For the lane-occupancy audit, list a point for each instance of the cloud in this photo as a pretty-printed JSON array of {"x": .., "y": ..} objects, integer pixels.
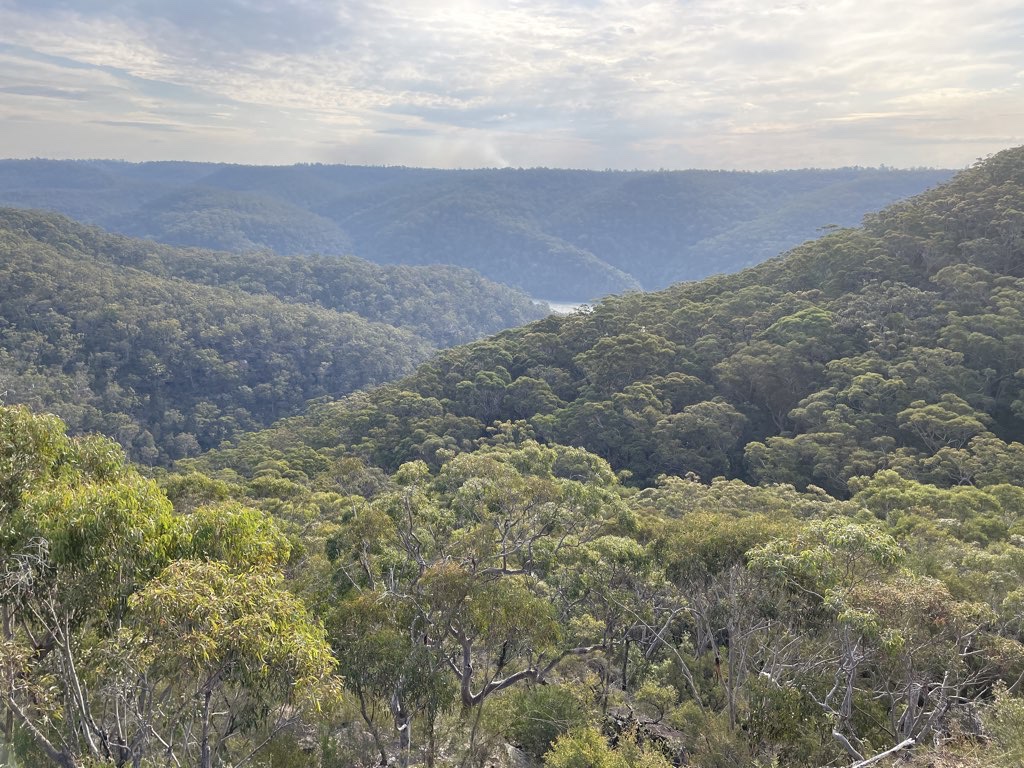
[
  {"x": 139, "y": 124},
  {"x": 44, "y": 92},
  {"x": 599, "y": 83}
]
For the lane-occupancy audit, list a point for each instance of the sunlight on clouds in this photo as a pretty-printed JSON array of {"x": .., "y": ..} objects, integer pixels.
[{"x": 723, "y": 83}]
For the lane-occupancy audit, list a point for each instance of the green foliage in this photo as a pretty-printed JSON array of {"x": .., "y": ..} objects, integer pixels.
[
  {"x": 171, "y": 352},
  {"x": 110, "y": 634},
  {"x": 477, "y": 577},
  {"x": 215, "y": 626},
  {"x": 848, "y": 356},
  {"x": 582, "y": 748},
  {"x": 238, "y": 536},
  {"x": 790, "y": 720},
  {"x": 533, "y": 718},
  {"x": 865, "y": 592},
  {"x": 1004, "y": 720},
  {"x": 587, "y": 748}
]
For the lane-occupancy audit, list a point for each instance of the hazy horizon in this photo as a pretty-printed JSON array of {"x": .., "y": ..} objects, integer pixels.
[{"x": 468, "y": 169}]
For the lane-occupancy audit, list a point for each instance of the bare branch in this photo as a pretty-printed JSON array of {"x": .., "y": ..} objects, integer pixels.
[{"x": 902, "y": 745}]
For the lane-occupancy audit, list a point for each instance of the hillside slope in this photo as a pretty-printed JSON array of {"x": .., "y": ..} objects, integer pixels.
[
  {"x": 172, "y": 351},
  {"x": 556, "y": 234},
  {"x": 896, "y": 345},
  {"x": 848, "y": 592}
]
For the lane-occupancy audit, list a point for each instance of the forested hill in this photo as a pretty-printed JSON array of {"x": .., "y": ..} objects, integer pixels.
[
  {"x": 171, "y": 350},
  {"x": 800, "y": 543},
  {"x": 896, "y": 345},
  {"x": 445, "y": 305},
  {"x": 557, "y": 234}
]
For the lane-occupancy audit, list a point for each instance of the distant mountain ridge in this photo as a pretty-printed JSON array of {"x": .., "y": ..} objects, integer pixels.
[{"x": 556, "y": 234}]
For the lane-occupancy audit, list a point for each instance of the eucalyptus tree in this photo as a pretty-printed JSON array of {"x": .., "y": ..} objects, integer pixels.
[
  {"x": 489, "y": 575},
  {"x": 131, "y": 634}
]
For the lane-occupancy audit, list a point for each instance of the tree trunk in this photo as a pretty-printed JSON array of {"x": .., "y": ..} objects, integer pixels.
[
  {"x": 730, "y": 683},
  {"x": 6, "y": 748},
  {"x": 625, "y": 665},
  {"x": 404, "y": 740},
  {"x": 374, "y": 732},
  {"x": 205, "y": 758},
  {"x": 431, "y": 738},
  {"x": 7, "y": 740},
  {"x": 403, "y": 724}
]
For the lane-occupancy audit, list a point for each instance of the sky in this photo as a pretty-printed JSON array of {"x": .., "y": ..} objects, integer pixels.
[{"x": 732, "y": 84}]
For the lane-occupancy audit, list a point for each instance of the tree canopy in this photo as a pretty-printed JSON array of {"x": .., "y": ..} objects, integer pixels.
[
  {"x": 171, "y": 352},
  {"x": 767, "y": 519}
]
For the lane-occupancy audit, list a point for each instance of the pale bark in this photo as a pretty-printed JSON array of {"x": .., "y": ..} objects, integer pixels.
[
  {"x": 60, "y": 756},
  {"x": 902, "y": 745},
  {"x": 205, "y": 756}
]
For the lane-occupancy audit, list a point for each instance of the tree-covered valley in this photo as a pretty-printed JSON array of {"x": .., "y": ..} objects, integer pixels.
[
  {"x": 556, "y": 234},
  {"x": 170, "y": 350},
  {"x": 774, "y": 518}
]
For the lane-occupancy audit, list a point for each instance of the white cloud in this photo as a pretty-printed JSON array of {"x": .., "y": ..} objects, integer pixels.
[{"x": 716, "y": 83}]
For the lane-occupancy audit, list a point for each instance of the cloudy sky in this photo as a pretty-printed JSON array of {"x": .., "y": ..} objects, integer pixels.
[{"x": 467, "y": 83}]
